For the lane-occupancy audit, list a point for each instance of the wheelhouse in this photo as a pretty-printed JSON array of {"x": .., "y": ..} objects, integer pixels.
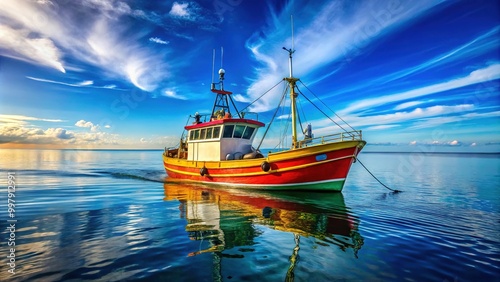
[{"x": 218, "y": 140}]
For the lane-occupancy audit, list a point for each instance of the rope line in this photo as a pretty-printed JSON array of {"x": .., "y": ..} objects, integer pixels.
[
  {"x": 326, "y": 105},
  {"x": 271, "y": 122},
  {"x": 261, "y": 96},
  {"x": 324, "y": 112},
  {"x": 393, "y": 190}
]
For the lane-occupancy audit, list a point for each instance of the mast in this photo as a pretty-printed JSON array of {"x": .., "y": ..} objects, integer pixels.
[
  {"x": 221, "y": 104},
  {"x": 293, "y": 95}
]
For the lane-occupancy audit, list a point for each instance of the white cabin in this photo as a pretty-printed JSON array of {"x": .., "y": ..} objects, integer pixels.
[{"x": 218, "y": 140}]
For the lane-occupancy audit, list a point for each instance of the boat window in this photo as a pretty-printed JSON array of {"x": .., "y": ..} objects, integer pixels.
[
  {"x": 209, "y": 133},
  {"x": 228, "y": 131},
  {"x": 238, "y": 131},
  {"x": 216, "y": 132},
  {"x": 203, "y": 133},
  {"x": 196, "y": 134},
  {"x": 191, "y": 135},
  {"x": 248, "y": 133}
]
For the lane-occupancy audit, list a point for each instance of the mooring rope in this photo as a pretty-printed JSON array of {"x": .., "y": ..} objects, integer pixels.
[{"x": 393, "y": 190}]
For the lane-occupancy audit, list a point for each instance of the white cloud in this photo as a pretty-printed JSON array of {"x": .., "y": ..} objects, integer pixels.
[
  {"x": 488, "y": 73},
  {"x": 179, "y": 10},
  {"x": 85, "y": 83},
  {"x": 59, "y": 133},
  {"x": 382, "y": 127},
  {"x": 172, "y": 94},
  {"x": 141, "y": 66},
  {"x": 46, "y": 34},
  {"x": 87, "y": 124},
  {"x": 17, "y": 120},
  {"x": 241, "y": 98},
  {"x": 77, "y": 84},
  {"x": 158, "y": 40},
  {"x": 417, "y": 114},
  {"x": 83, "y": 123},
  {"x": 347, "y": 29},
  {"x": 45, "y": 2},
  {"x": 418, "y": 118},
  {"x": 55, "y": 136},
  {"x": 15, "y": 130},
  {"x": 408, "y": 105},
  {"x": 23, "y": 135},
  {"x": 478, "y": 46},
  {"x": 454, "y": 143},
  {"x": 18, "y": 44}
]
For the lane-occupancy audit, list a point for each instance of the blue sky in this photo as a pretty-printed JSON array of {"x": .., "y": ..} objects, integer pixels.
[{"x": 413, "y": 75}]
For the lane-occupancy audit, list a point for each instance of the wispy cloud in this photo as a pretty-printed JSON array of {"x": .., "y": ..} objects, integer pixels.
[
  {"x": 173, "y": 94},
  {"x": 441, "y": 114},
  {"x": 46, "y": 34},
  {"x": 383, "y": 127},
  {"x": 488, "y": 73},
  {"x": 17, "y": 44},
  {"x": 77, "y": 84},
  {"x": 476, "y": 47},
  {"x": 408, "y": 105},
  {"x": 85, "y": 83},
  {"x": 347, "y": 28},
  {"x": 21, "y": 119},
  {"x": 140, "y": 65},
  {"x": 158, "y": 40}
]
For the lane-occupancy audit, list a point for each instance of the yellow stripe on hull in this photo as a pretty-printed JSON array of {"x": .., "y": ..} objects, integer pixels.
[
  {"x": 262, "y": 172},
  {"x": 272, "y": 157}
]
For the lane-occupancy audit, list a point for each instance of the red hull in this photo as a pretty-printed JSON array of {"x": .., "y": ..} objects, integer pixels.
[{"x": 316, "y": 168}]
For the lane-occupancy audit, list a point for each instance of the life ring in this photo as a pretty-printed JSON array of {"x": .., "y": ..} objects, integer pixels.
[
  {"x": 203, "y": 171},
  {"x": 265, "y": 166}
]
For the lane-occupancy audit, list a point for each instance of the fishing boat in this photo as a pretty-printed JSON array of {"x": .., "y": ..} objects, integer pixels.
[{"x": 217, "y": 149}]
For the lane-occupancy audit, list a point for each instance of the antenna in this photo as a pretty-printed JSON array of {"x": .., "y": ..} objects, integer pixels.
[
  {"x": 290, "y": 51},
  {"x": 291, "y": 19},
  {"x": 213, "y": 66},
  {"x": 221, "y": 55}
]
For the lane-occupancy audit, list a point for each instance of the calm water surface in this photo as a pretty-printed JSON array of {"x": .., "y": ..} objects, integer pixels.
[{"x": 113, "y": 216}]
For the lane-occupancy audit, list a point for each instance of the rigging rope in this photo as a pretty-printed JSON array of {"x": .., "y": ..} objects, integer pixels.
[
  {"x": 298, "y": 115},
  {"x": 324, "y": 113},
  {"x": 282, "y": 142},
  {"x": 393, "y": 190},
  {"x": 327, "y": 106},
  {"x": 261, "y": 96},
  {"x": 271, "y": 122}
]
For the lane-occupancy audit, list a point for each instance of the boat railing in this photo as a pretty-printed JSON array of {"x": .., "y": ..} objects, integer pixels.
[
  {"x": 332, "y": 138},
  {"x": 193, "y": 119}
]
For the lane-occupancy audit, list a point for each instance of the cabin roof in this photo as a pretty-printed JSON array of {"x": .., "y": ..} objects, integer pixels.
[{"x": 222, "y": 121}]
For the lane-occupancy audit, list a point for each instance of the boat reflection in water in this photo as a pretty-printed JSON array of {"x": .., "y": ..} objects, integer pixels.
[{"x": 229, "y": 218}]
